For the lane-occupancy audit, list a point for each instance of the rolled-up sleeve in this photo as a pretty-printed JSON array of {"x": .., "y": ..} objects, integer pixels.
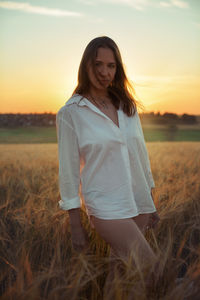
[{"x": 69, "y": 161}]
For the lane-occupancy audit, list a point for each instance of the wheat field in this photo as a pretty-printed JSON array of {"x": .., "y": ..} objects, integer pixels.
[{"x": 36, "y": 258}]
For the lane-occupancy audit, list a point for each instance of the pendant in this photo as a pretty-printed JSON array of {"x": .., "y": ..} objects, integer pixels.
[
  {"x": 101, "y": 104},
  {"x": 104, "y": 104}
]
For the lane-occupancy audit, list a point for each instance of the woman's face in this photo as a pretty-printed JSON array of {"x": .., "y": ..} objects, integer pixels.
[{"x": 105, "y": 66}]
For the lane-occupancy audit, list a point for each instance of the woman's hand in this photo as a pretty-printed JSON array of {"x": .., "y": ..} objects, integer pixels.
[
  {"x": 154, "y": 217},
  {"x": 78, "y": 235},
  {"x": 153, "y": 220},
  {"x": 79, "y": 238}
]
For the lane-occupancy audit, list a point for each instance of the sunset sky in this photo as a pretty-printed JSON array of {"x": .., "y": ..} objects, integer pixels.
[{"x": 42, "y": 42}]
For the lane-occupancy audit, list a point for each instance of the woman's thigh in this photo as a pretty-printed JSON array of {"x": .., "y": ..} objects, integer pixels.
[{"x": 124, "y": 236}]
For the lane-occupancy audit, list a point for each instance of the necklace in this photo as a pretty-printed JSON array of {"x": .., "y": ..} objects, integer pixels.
[{"x": 100, "y": 103}]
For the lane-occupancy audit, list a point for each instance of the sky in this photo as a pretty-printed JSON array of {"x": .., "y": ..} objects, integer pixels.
[{"x": 42, "y": 42}]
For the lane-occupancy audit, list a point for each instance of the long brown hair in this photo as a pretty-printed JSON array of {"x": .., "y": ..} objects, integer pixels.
[{"x": 120, "y": 89}]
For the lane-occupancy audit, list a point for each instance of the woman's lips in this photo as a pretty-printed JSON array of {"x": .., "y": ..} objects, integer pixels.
[{"x": 104, "y": 81}]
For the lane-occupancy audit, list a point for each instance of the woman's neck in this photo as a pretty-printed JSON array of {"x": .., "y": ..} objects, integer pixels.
[{"x": 98, "y": 94}]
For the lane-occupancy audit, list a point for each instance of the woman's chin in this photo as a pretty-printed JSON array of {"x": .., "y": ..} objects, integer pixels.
[
  {"x": 101, "y": 88},
  {"x": 104, "y": 85}
]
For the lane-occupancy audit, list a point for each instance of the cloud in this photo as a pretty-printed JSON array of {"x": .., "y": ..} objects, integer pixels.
[
  {"x": 169, "y": 81},
  {"x": 140, "y": 4},
  {"x": 165, "y": 4},
  {"x": 175, "y": 3},
  {"x": 153, "y": 81},
  {"x": 87, "y": 2},
  {"x": 180, "y": 3},
  {"x": 136, "y": 4},
  {"x": 28, "y": 8},
  {"x": 197, "y": 24}
]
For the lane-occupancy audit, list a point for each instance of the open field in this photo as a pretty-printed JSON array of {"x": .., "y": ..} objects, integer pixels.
[
  {"x": 36, "y": 258},
  {"x": 152, "y": 133},
  {"x": 28, "y": 135}
]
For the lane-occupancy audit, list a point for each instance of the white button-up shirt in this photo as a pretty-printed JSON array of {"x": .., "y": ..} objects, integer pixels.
[{"x": 102, "y": 164}]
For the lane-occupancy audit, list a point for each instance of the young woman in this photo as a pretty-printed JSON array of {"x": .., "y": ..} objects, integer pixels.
[{"x": 103, "y": 157}]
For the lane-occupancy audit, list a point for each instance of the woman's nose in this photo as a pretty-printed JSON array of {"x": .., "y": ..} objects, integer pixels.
[{"x": 104, "y": 71}]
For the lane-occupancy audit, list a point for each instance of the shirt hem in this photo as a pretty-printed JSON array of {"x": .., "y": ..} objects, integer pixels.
[{"x": 126, "y": 217}]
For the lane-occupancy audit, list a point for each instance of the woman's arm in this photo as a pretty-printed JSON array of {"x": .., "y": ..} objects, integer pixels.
[
  {"x": 69, "y": 175},
  {"x": 69, "y": 161},
  {"x": 78, "y": 234}
]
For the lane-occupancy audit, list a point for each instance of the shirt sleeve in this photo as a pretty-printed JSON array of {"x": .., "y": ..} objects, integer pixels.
[
  {"x": 69, "y": 161},
  {"x": 150, "y": 176}
]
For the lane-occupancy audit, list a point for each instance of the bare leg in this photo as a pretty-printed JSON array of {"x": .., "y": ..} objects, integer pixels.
[{"x": 124, "y": 236}]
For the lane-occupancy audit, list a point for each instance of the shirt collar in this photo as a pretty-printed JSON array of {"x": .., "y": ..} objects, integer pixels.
[
  {"x": 78, "y": 99},
  {"x": 81, "y": 101}
]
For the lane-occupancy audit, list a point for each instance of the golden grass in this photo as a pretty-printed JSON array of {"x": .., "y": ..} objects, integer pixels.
[{"x": 37, "y": 260}]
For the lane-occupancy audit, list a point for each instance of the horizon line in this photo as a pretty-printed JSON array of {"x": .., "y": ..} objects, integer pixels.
[{"x": 145, "y": 112}]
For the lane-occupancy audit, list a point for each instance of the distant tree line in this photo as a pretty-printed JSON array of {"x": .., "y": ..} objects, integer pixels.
[
  {"x": 26, "y": 120},
  {"x": 49, "y": 119},
  {"x": 168, "y": 118}
]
